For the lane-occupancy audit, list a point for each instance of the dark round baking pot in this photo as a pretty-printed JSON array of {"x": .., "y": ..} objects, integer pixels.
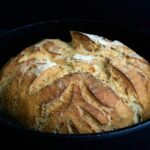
[{"x": 15, "y": 40}]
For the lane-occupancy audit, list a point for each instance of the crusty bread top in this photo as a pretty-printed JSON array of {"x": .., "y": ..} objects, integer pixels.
[{"x": 89, "y": 85}]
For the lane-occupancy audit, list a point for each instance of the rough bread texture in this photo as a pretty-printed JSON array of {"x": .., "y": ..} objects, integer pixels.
[{"x": 88, "y": 85}]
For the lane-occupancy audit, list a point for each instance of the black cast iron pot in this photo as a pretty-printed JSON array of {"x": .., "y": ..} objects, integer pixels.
[{"x": 15, "y": 40}]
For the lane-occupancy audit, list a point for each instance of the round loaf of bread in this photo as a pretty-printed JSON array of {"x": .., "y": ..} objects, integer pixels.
[{"x": 88, "y": 85}]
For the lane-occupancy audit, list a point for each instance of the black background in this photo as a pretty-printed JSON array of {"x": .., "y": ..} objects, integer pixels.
[{"x": 135, "y": 13}]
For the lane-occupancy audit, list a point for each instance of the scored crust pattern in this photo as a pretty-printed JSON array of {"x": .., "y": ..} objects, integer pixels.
[{"x": 88, "y": 85}]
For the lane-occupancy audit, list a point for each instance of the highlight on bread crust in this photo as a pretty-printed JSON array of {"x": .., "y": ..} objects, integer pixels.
[{"x": 88, "y": 85}]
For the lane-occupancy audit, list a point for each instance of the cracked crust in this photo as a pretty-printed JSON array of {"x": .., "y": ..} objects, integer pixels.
[{"x": 89, "y": 85}]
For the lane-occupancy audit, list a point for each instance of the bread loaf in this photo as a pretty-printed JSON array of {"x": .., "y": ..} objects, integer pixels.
[{"x": 88, "y": 85}]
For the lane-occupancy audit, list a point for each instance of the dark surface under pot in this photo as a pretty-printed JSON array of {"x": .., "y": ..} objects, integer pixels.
[{"x": 12, "y": 42}]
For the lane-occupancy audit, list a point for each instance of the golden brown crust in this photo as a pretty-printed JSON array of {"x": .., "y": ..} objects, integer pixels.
[{"x": 88, "y": 85}]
